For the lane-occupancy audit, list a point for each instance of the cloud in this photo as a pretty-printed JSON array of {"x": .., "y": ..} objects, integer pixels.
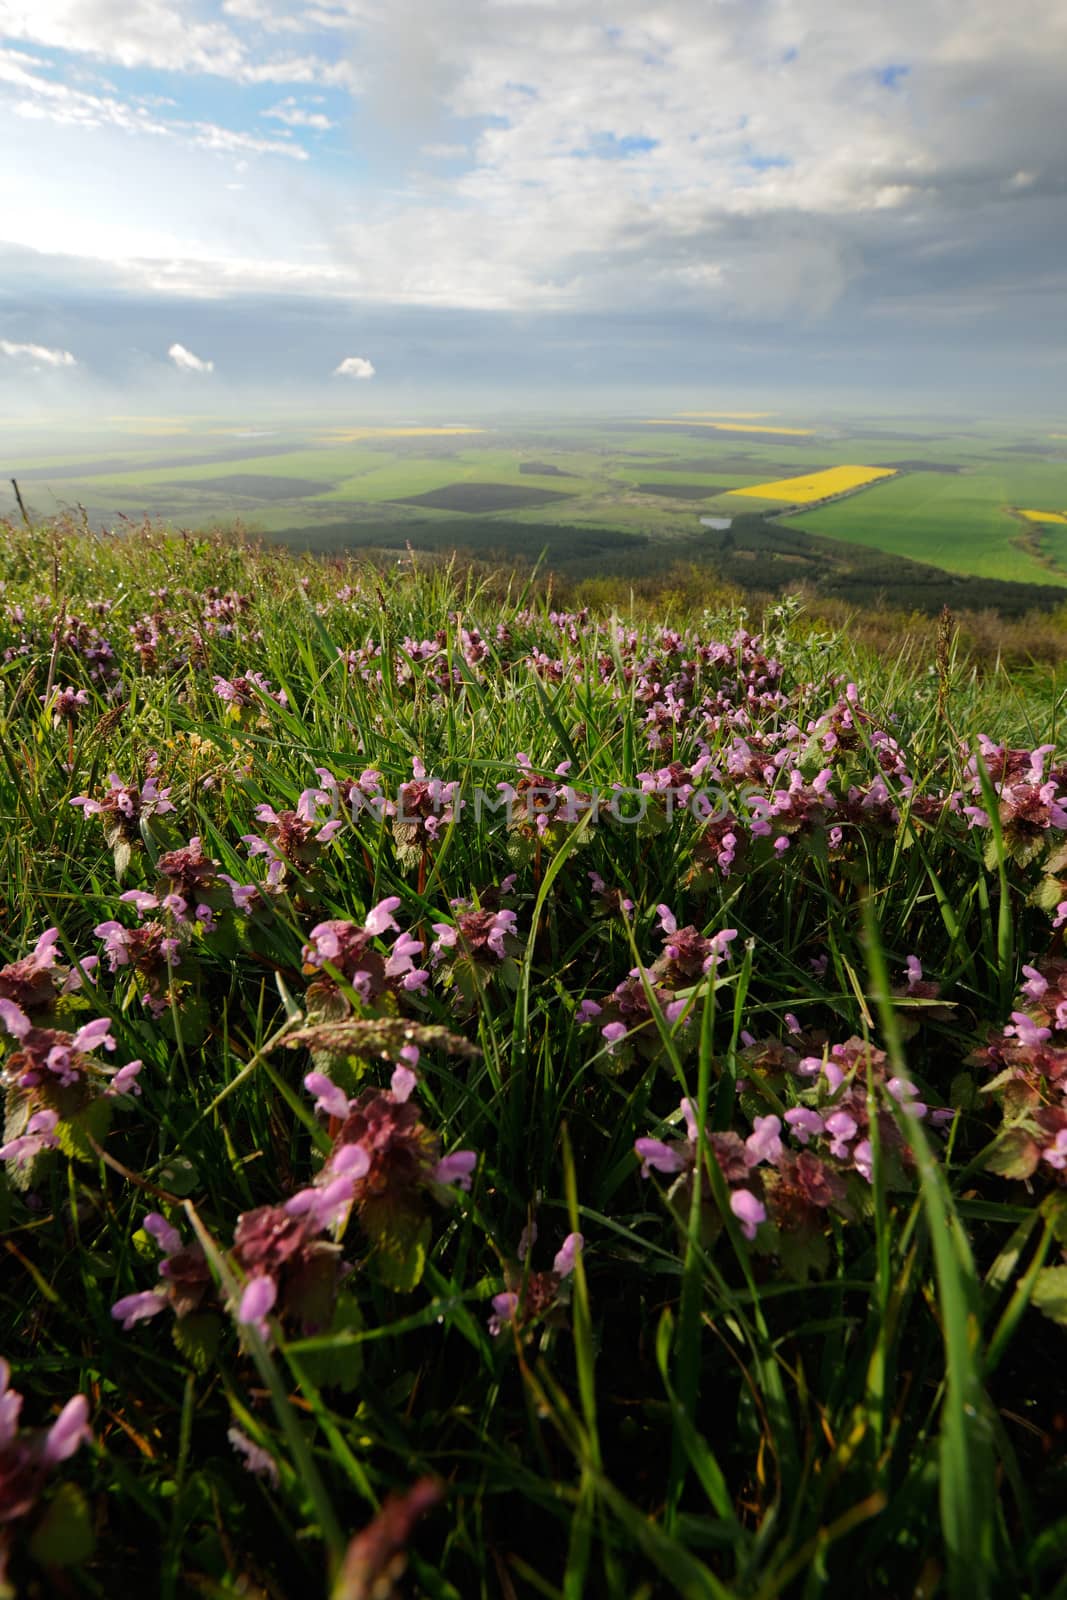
[
  {"x": 185, "y": 361},
  {"x": 39, "y": 354},
  {"x": 354, "y": 367},
  {"x": 296, "y": 116},
  {"x": 29, "y": 94}
]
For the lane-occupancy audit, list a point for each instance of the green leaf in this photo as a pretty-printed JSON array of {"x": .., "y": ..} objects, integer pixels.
[
  {"x": 402, "y": 1239},
  {"x": 1050, "y": 1293},
  {"x": 1014, "y": 1155},
  {"x": 341, "y": 1366},
  {"x": 179, "y": 1176},
  {"x": 76, "y": 1133},
  {"x": 197, "y": 1338},
  {"x": 64, "y": 1535}
]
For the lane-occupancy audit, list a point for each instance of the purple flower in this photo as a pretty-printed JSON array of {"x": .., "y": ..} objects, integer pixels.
[
  {"x": 257, "y": 1461},
  {"x": 805, "y": 1124},
  {"x": 125, "y": 1079},
  {"x": 654, "y": 1153},
  {"x": 259, "y": 1296},
  {"x": 456, "y": 1168},
  {"x": 749, "y": 1211},
  {"x": 166, "y": 1236},
  {"x": 68, "y": 1431},
  {"x": 138, "y": 1307},
  {"x": 763, "y": 1143},
  {"x": 504, "y": 1308},
  {"x": 563, "y": 1265},
  {"x": 39, "y": 1135},
  {"x": 380, "y": 919},
  {"x": 328, "y": 1097}
]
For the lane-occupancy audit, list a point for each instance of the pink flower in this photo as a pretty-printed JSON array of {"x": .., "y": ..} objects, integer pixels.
[
  {"x": 749, "y": 1211},
  {"x": 257, "y": 1461},
  {"x": 329, "y": 1097},
  {"x": 563, "y": 1265},
  {"x": 138, "y": 1307},
  {"x": 380, "y": 919},
  {"x": 39, "y": 1135},
  {"x": 804, "y": 1123},
  {"x": 68, "y": 1431},
  {"x": 259, "y": 1296},
  {"x": 456, "y": 1168},
  {"x": 654, "y": 1153},
  {"x": 504, "y": 1308},
  {"x": 763, "y": 1143}
]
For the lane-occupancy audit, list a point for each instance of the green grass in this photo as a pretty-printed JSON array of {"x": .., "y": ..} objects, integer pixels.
[
  {"x": 860, "y": 1395},
  {"x": 958, "y": 523}
]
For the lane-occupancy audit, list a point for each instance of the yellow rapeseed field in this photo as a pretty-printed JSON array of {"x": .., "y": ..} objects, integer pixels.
[
  {"x": 1044, "y": 516},
  {"x": 817, "y": 485},
  {"x": 723, "y": 427}
]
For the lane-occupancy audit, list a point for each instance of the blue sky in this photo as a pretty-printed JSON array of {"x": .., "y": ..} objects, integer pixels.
[{"x": 515, "y": 199}]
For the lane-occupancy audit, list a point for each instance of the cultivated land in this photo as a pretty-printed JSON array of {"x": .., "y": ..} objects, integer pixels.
[
  {"x": 960, "y": 498},
  {"x": 655, "y": 1189}
]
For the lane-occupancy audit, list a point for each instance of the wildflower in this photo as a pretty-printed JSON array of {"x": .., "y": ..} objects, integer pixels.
[
  {"x": 256, "y": 1460},
  {"x": 183, "y": 1270},
  {"x": 65, "y": 705},
  {"x": 247, "y": 691},
  {"x": 124, "y": 806},
  {"x": 376, "y": 1558},
  {"x": 533, "y": 1294},
  {"x": 749, "y": 1211},
  {"x": 39, "y": 1136},
  {"x": 35, "y": 982},
  {"x": 349, "y": 950},
  {"x": 26, "y": 1457}
]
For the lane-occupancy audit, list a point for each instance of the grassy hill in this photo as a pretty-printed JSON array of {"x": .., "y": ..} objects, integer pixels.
[{"x": 578, "y": 1097}]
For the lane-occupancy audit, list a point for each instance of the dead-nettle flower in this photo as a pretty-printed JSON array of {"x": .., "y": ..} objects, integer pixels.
[
  {"x": 250, "y": 689},
  {"x": 291, "y": 1268},
  {"x": 28, "y": 1456},
  {"x": 609, "y": 902},
  {"x": 65, "y": 704},
  {"x": 533, "y": 1294},
  {"x": 51, "y": 1059},
  {"x": 151, "y": 952},
  {"x": 185, "y": 1278},
  {"x": 736, "y": 1158},
  {"x": 259, "y": 1462},
  {"x": 383, "y": 1152},
  {"x": 480, "y": 936},
  {"x": 687, "y": 954},
  {"x": 376, "y": 1558},
  {"x": 124, "y": 806},
  {"x": 347, "y": 797},
  {"x": 186, "y": 886},
  {"x": 35, "y": 982},
  {"x": 425, "y": 805},
  {"x": 349, "y": 950}
]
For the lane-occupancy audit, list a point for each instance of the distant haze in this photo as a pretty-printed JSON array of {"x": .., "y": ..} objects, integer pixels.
[{"x": 228, "y": 207}]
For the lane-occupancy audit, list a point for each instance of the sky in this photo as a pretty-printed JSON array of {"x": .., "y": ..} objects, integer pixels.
[{"x": 373, "y": 204}]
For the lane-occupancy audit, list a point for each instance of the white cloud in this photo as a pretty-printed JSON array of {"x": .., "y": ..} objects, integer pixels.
[
  {"x": 39, "y": 354},
  {"x": 185, "y": 361},
  {"x": 37, "y": 98},
  {"x": 161, "y": 34},
  {"x": 354, "y": 367},
  {"x": 297, "y": 116}
]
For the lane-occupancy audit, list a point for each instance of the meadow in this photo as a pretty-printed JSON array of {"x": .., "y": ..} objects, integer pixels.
[
  {"x": 952, "y": 497},
  {"x": 570, "y": 1100}
]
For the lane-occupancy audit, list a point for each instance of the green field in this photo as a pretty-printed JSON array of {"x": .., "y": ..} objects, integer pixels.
[{"x": 952, "y": 504}]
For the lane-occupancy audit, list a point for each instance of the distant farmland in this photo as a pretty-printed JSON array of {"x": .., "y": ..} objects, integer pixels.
[
  {"x": 481, "y": 497},
  {"x": 629, "y": 494}
]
